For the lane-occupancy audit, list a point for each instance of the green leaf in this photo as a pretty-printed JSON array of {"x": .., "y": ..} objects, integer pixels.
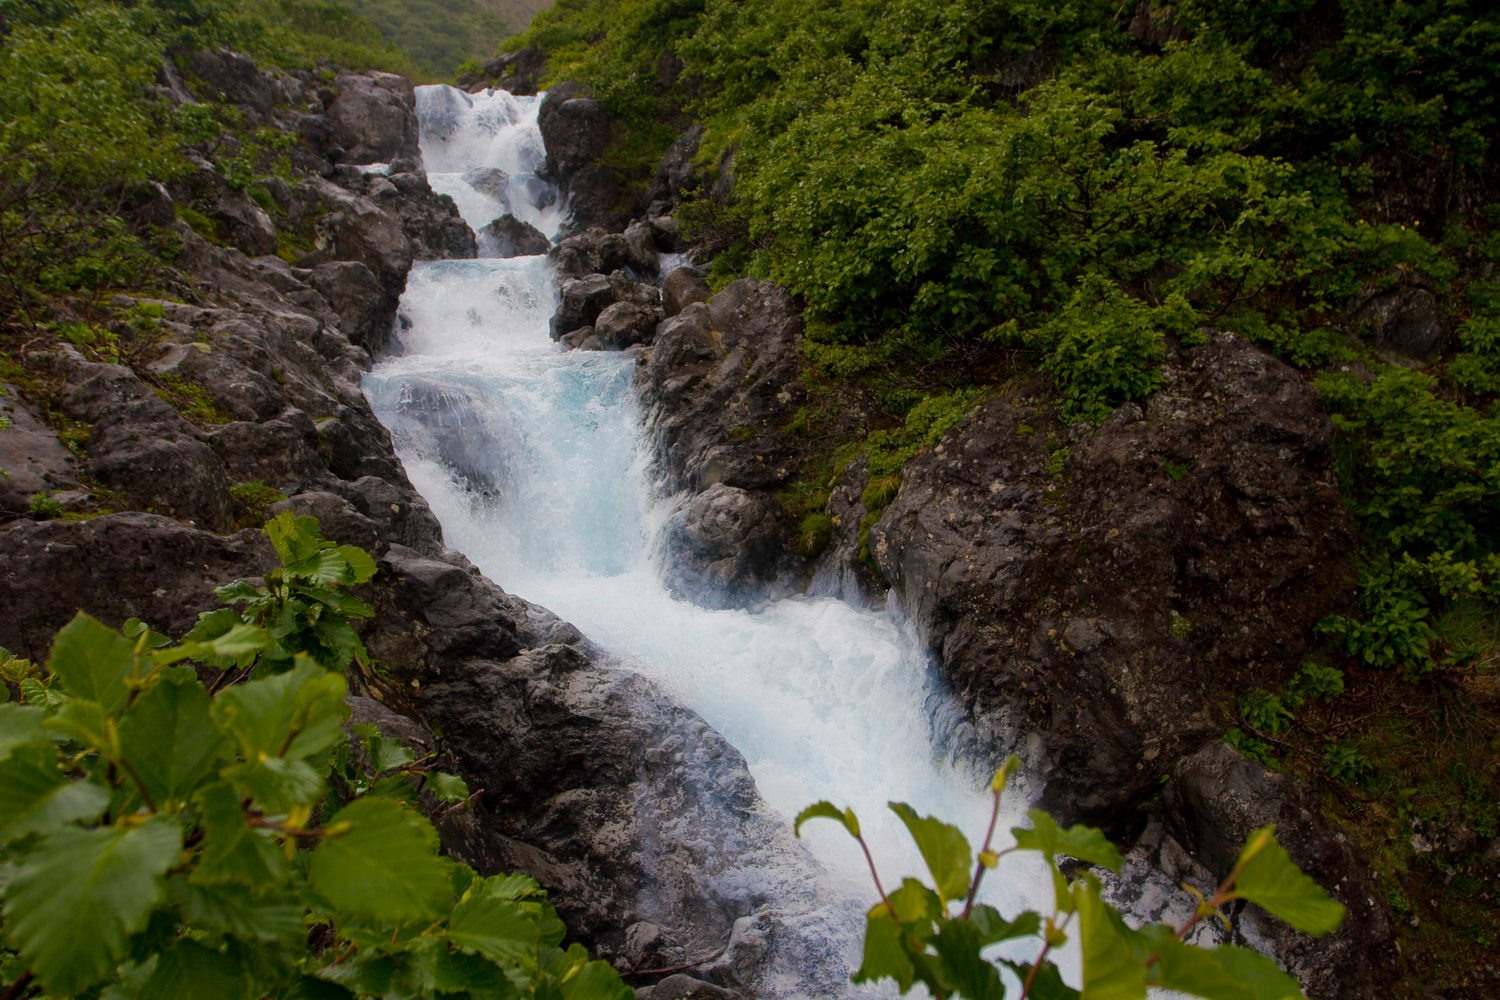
[
  {"x": 958, "y": 944},
  {"x": 83, "y": 721},
  {"x": 943, "y": 847},
  {"x": 294, "y": 537},
  {"x": 1047, "y": 984},
  {"x": 1225, "y": 972},
  {"x": 80, "y": 894},
  {"x": 169, "y": 739},
  {"x": 21, "y": 726},
  {"x": 914, "y": 902},
  {"x": 238, "y": 911},
  {"x": 36, "y": 797},
  {"x": 238, "y": 644},
  {"x": 827, "y": 810},
  {"x": 233, "y": 851},
  {"x": 994, "y": 928},
  {"x": 500, "y": 930},
  {"x": 292, "y": 715},
  {"x": 596, "y": 981},
  {"x": 1082, "y": 842},
  {"x": 187, "y": 970},
  {"x": 276, "y": 784},
  {"x": 361, "y": 565},
  {"x": 1270, "y": 879},
  {"x": 448, "y": 787},
  {"x": 885, "y": 953},
  {"x": 1112, "y": 969},
  {"x": 385, "y": 754},
  {"x": 383, "y": 866},
  {"x": 514, "y": 887},
  {"x": 93, "y": 661}
]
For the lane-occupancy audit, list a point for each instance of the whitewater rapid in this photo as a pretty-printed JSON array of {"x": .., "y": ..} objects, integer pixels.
[{"x": 534, "y": 461}]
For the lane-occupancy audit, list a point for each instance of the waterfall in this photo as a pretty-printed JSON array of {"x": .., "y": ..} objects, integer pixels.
[{"x": 533, "y": 460}]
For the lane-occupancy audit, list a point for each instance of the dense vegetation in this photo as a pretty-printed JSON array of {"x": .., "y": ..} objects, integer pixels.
[
  {"x": 439, "y": 35},
  {"x": 965, "y": 190}
]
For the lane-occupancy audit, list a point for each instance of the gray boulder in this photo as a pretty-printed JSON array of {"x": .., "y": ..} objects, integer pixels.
[
  {"x": 357, "y": 298},
  {"x": 580, "y": 302},
  {"x": 625, "y": 324},
  {"x": 32, "y": 459},
  {"x": 682, "y": 288},
  {"x": 508, "y": 236},
  {"x": 727, "y": 547},
  {"x": 374, "y": 117}
]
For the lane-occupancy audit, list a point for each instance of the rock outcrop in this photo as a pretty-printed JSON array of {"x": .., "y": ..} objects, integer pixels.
[{"x": 1100, "y": 587}]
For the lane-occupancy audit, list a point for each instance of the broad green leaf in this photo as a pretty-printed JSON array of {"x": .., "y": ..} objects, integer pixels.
[
  {"x": 238, "y": 644},
  {"x": 1047, "y": 984},
  {"x": 82, "y": 720},
  {"x": 293, "y": 715},
  {"x": 361, "y": 565},
  {"x": 827, "y": 810},
  {"x": 913, "y": 902},
  {"x": 448, "y": 787},
  {"x": 294, "y": 537},
  {"x": 1003, "y": 773},
  {"x": 384, "y": 865},
  {"x": 36, "y": 797},
  {"x": 232, "y": 850},
  {"x": 1270, "y": 879},
  {"x": 21, "y": 726},
  {"x": 1112, "y": 969},
  {"x": 958, "y": 944},
  {"x": 386, "y": 754},
  {"x": 1082, "y": 842},
  {"x": 169, "y": 739},
  {"x": 596, "y": 981},
  {"x": 93, "y": 661},
  {"x": 276, "y": 784},
  {"x": 135, "y": 629},
  {"x": 80, "y": 894},
  {"x": 323, "y": 567},
  {"x": 497, "y": 929},
  {"x": 238, "y": 911},
  {"x": 187, "y": 970},
  {"x": 514, "y": 887},
  {"x": 885, "y": 954},
  {"x": 1225, "y": 972},
  {"x": 994, "y": 928},
  {"x": 943, "y": 847}
]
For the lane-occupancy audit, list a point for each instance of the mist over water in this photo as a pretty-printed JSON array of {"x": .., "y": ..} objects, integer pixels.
[{"x": 535, "y": 463}]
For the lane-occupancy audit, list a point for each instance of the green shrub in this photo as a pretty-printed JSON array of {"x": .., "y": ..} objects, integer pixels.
[{"x": 162, "y": 839}]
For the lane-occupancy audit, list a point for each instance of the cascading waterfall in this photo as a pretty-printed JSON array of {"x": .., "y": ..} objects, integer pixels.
[{"x": 533, "y": 460}]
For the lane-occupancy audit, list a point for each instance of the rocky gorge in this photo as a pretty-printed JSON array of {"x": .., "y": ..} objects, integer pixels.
[{"x": 1089, "y": 593}]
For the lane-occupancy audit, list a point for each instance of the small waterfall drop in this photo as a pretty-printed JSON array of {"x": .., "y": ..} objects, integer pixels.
[{"x": 534, "y": 462}]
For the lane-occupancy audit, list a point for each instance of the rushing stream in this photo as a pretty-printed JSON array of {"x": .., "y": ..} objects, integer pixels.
[{"x": 533, "y": 460}]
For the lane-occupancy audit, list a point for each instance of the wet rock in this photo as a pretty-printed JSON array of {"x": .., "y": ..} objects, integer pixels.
[
  {"x": 1217, "y": 798},
  {"x": 32, "y": 459},
  {"x": 1182, "y": 550},
  {"x": 581, "y": 300},
  {"x": 727, "y": 547},
  {"x": 575, "y": 129},
  {"x": 356, "y": 228},
  {"x": 374, "y": 117},
  {"x": 356, "y": 296},
  {"x": 491, "y": 181},
  {"x": 508, "y": 236},
  {"x": 624, "y": 324},
  {"x": 430, "y": 220},
  {"x": 682, "y": 288},
  {"x": 472, "y": 436},
  {"x": 684, "y": 987},
  {"x": 115, "y": 567},
  {"x": 719, "y": 385}
]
